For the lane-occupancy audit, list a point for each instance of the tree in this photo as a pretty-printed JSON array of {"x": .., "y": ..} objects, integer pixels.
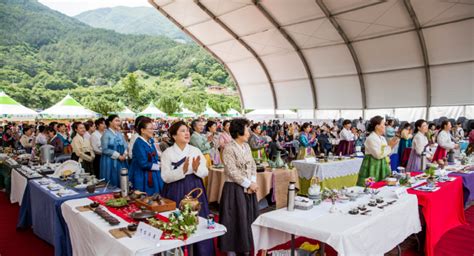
[
  {"x": 132, "y": 88},
  {"x": 169, "y": 104}
]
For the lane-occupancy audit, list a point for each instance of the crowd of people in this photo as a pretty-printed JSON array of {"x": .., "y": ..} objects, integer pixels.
[{"x": 172, "y": 158}]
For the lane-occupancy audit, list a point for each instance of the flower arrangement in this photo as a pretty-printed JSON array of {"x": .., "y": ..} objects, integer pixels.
[
  {"x": 181, "y": 224},
  {"x": 368, "y": 183},
  {"x": 330, "y": 194},
  {"x": 430, "y": 172}
]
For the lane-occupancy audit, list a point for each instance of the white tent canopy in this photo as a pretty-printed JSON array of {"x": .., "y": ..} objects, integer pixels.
[
  {"x": 209, "y": 112},
  {"x": 260, "y": 114},
  {"x": 12, "y": 110},
  {"x": 325, "y": 55},
  {"x": 152, "y": 111},
  {"x": 68, "y": 108},
  {"x": 232, "y": 113},
  {"x": 186, "y": 113},
  {"x": 125, "y": 113}
]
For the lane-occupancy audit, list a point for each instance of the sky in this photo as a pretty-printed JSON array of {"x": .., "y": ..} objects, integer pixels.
[{"x": 74, "y": 7}]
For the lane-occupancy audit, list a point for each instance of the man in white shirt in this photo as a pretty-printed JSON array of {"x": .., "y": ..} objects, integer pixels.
[
  {"x": 360, "y": 124},
  {"x": 96, "y": 144}
]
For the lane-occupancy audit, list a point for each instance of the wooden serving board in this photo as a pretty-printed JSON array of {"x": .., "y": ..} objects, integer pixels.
[
  {"x": 117, "y": 233},
  {"x": 169, "y": 205},
  {"x": 83, "y": 208}
]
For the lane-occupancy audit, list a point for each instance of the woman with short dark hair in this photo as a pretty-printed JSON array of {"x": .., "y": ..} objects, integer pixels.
[
  {"x": 377, "y": 150},
  {"x": 211, "y": 128},
  {"x": 307, "y": 141},
  {"x": 346, "y": 144},
  {"x": 238, "y": 204},
  {"x": 82, "y": 149},
  {"x": 445, "y": 142},
  {"x": 145, "y": 172},
  {"x": 27, "y": 140},
  {"x": 257, "y": 143},
  {"x": 404, "y": 147},
  {"x": 420, "y": 142},
  {"x": 201, "y": 141}
]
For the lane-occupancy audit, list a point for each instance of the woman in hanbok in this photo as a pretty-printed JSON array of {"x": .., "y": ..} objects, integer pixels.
[
  {"x": 431, "y": 133},
  {"x": 404, "y": 147},
  {"x": 225, "y": 137},
  {"x": 307, "y": 142},
  {"x": 200, "y": 141},
  {"x": 182, "y": 168},
  {"x": 445, "y": 142},
  {"x": 238, "y": 205},
  {"x": 145, "y": 172},
  {"x": 63, "y": 136},
  {"x": 211, "y": 128},
  {"x": 346, "y": 144},
  {"x": 257, "y": 143},
  {"x": 377, "y": 150},
  {"x": 470, "y": 147},
  {"x": 114, "y": 152},
  {"x": 27, "y": 140},
  {"x": 420, "y": 142},
  {"x": 82, "y": 148}
]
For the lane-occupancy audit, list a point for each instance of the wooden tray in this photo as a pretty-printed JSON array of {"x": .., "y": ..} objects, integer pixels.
[
  {"x": 169, "y": 205},
  {"x": 117, "y": 233}
]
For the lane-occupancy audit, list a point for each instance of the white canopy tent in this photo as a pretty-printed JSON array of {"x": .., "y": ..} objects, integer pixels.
[
  {"x": 337, "y": 55},
  {"x": 12, "y": 110},
  {"x": 68, "y": 108},
  {"x": 125, "y": 113},
  {"x": 152, "y": 111},
  {"x": 232, "y": 113},
  {"x": 260, "y": 114},
  {"x": 209, "y": 112},
  {"x": 185, "y": 113}
]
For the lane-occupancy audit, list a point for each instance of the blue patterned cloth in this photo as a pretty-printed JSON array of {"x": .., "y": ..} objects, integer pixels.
[{"x": 41, "y": 210}]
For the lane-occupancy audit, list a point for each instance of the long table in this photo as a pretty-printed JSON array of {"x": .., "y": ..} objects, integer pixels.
[
  {"x": 41, "y": 210},
  {"x": 334, "y": 174},
  {"x": 18, "y": 186},
  {"x": 347, "y": 234},
  {"x": 442, "y": 210},
  {"x": 90, "y": 234}
]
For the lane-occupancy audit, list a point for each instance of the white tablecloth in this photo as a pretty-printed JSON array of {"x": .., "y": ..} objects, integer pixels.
[
  {"x": 89, "y": 234},
  {"x": 347, "y": 234},
  {"x": 18, "y": 186},
  {"x": 328, "y": 170}
]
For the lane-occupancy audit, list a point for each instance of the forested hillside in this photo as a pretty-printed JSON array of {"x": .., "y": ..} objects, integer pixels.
[{"x": 45, "y": 54}]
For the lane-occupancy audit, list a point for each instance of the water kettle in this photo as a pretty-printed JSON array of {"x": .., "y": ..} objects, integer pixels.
[{"x": 46, "y": 154}]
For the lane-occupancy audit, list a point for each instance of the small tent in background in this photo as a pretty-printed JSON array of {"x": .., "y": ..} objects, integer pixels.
[
  {"x": 209, "y": 112},
  {"x": 232, "y": 113},
  {"x": 12, "y": 110},
  {"x": 152, "y": 111},
  {"x": 68, "y": 108},
  {"x": 260, "y": 114},
  {"x": 185, "y": 113},
  {"x": 125, "y": 113}
]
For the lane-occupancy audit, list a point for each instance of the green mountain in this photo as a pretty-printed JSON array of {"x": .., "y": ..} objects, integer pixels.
[
  {"x": 133, "y": 20},
  {"x": 45, "y": 54}
]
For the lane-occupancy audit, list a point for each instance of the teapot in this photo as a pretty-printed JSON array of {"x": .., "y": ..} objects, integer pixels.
[{"x": 192, "y": 201}]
